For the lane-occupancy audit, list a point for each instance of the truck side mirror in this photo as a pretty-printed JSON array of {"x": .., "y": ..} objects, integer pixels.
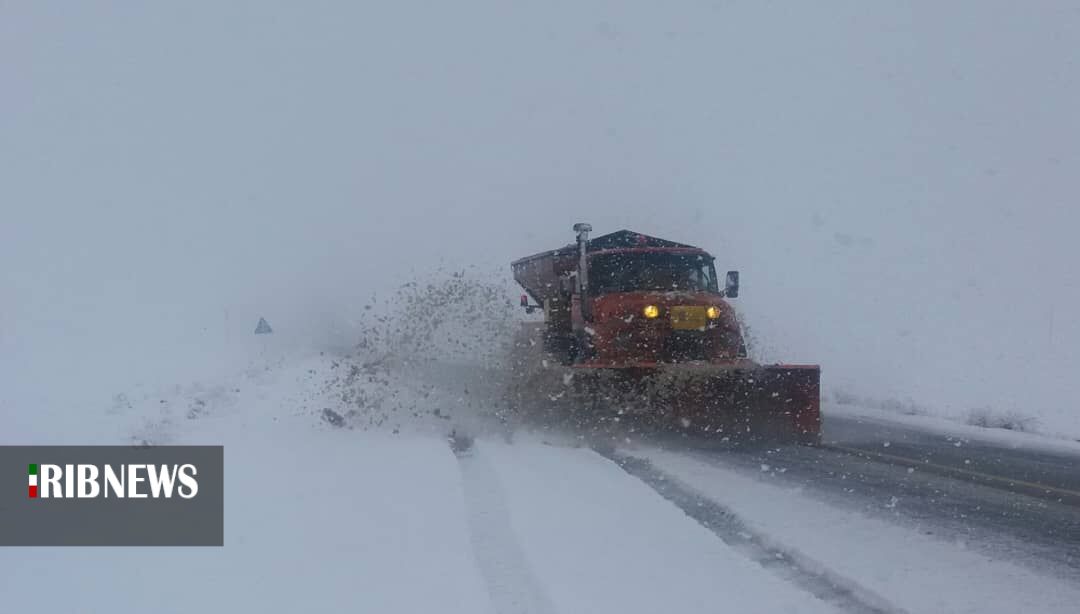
[{"x": 731, "y": 285}]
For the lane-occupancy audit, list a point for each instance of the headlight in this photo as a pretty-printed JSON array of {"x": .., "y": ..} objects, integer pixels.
[
  {"x": 713, "y": 312},
  {"x": 651, "y": 311}
]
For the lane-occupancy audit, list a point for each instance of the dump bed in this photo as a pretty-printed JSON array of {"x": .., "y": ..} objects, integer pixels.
[{"x": 539, "y": 274}]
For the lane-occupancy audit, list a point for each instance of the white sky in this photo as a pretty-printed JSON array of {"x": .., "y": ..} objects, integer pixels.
[{"x": 898, "y": 183}]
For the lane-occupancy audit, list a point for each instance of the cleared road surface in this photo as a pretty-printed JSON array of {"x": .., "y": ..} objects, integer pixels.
[{"x": 1020, "y": 503}]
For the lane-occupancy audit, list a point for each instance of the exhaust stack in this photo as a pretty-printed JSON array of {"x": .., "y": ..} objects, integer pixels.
[{"x": 582, "y": 229}]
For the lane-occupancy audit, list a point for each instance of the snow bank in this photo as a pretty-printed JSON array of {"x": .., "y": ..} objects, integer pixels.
[
  {"x": 318, "y": 518},
  {"x": 946, "y": 427},
  {"x": 375, "y": 513}
]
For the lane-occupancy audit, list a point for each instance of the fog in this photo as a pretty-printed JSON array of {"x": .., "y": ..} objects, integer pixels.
[{"x": 897, "y": 184}]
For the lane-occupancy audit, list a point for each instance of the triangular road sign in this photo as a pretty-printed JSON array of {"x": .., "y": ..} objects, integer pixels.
[{"x": 263, "y": 328}]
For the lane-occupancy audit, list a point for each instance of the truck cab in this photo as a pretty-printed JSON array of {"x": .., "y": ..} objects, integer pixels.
[{"x": 630, "y": 300}]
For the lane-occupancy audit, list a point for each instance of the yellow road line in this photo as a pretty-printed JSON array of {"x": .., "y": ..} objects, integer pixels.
[{"x": 947, "y": 469}]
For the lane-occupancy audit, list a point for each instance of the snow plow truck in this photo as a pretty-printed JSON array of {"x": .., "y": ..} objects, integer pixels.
[{"x": 637, "y": 326}]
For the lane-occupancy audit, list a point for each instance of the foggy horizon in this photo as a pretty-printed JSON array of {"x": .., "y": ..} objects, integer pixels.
[{"x": 896, "y": 184}]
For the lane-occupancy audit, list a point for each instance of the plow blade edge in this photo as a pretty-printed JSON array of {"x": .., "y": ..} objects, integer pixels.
[{"x": 771, "y": 403}]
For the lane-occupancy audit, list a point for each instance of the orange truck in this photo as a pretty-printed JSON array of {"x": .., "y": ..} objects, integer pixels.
[{"x": 642, "y": 325}]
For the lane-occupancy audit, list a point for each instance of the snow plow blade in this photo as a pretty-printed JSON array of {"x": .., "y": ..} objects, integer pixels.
[
  {"x": 766, "y": 403},
  {"x": 742, "y": 401}
]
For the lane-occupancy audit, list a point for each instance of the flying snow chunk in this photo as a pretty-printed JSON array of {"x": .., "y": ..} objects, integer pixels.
[{"x": 263, "y": 328}]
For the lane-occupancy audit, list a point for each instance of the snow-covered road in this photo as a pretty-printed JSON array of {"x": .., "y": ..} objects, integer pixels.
[{"x": 388, "y": 516}]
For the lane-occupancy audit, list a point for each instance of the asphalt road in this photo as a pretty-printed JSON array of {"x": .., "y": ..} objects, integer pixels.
[
  {"x": 1039, "y": 473},
  {"x": 1018, "y": 504}
]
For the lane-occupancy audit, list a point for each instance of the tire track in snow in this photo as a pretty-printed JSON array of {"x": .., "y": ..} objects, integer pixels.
[
  {"x": 511, "y": 584},
  {"x": 813, "y": 577}
]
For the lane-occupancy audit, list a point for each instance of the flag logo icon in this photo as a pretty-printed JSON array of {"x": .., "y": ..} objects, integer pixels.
[{"x": 33, "y": 480}]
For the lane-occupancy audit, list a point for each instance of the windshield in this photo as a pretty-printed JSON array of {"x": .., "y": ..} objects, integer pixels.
[{"x": 660, "y": 272}]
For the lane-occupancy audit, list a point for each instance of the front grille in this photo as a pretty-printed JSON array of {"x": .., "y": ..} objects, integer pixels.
[
  {"x": 686, "y": 346},
  {"x": 669, "y": 346}
]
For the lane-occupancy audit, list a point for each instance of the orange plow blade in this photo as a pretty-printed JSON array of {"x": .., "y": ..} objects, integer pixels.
[{"x": 771, "y": 403}]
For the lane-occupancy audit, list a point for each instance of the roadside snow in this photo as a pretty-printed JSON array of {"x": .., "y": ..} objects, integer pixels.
[
  {"x": 911, "y": 570},
  {"x": 604, "y": 542},
  {"x": 948, "y": 427},
  {"x": 317, "y": 519},
  {"x": 373, "y": 512}
]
